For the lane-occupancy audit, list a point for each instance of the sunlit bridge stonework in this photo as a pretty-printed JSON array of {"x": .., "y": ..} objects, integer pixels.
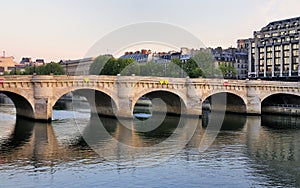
[{"x": 35, "y": 96}]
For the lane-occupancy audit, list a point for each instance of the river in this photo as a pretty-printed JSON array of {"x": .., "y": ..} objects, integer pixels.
[{"x": 74, "y": 151}]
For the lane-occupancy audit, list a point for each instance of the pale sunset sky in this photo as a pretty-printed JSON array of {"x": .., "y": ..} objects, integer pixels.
[{"x": 66, "y": 29}]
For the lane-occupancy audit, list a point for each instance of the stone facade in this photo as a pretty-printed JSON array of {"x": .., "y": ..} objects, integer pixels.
[
  {"x": 274, "y": 50},
  {"x": 35, "y": 96}
]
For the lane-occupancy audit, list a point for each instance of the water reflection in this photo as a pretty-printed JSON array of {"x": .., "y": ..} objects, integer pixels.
[
  {"x": 273, "y": 143},
  {"x": 121, "y": 141},
  {"x": 268, "y": 153},
  {"x": 20, "y": 135}
]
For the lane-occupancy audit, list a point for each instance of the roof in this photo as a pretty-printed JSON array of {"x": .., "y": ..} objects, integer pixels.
[{"x": 286, "y": 23}]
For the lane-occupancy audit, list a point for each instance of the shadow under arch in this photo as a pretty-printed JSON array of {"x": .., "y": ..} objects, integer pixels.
[
  {"x": 23, "y": 107},
  {"x": 233, "y": 103},
  {"x": 99, "y": 101},
  {"x": 169, "y": 101},
  {"x": 281, "y": 103}
]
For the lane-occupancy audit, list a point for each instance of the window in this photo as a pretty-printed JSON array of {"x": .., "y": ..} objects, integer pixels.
[
  {"x": 269, "y": 61},
  {"x": 286, "y": 47},
  {"x": 295, "y": 53},
  {"x": 286, "y": 53},
  {"x": 286, "y": 60},
  {"x": 295, "y": 67},
  {"x": 261, "y": 62},
  {"x": 269, "y": 55},
  {"x": 286, "y": 68},
  {"x": 261, "y": 69},
  {"x": 261, "y": 56},
  {"x": 295, "y": 46}
]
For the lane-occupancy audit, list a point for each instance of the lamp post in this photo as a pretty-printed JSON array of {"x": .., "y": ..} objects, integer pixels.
[
  {"x": 51, "y": 68},
  {"x": 182, "y": 69},
  {"x": 34, "y": 69},
  {"x": 67, "y": 68},
  {"x": 165, "y": 70}
]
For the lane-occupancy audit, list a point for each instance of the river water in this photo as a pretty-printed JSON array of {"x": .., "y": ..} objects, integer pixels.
[{"x": 74, "y": 151}]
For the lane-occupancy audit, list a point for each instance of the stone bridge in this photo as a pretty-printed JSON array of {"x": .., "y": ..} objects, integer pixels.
[{"x": 35, "y": 96}]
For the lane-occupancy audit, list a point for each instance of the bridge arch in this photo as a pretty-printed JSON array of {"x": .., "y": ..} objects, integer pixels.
[
  {"x": 279, "y": 93},
  {"x": 281, "y": 103},
  {"x": 235, "y": 103},
  {"x": 175, "y": 101},
  {"x": 101, "y": 101},
  {"x": 24, "y": 107}
]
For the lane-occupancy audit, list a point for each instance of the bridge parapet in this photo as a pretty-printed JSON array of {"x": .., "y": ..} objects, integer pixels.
[{"x": 42, "y": 91}]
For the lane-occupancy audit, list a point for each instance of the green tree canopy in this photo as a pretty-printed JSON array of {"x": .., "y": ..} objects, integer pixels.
[
  {"x": 46, "y": 69},
  {"x": 111, "y": 66},
  {"x": 98, "y": 64},
  {"x": 205, "y": 61},
  {"x": 228, "y": 70}
]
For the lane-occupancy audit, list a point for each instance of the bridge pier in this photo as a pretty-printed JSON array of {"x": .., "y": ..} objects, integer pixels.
[
  {"x": 253, "y": 102},
  {"x": 43, "y": 92},
  {"x": 42, "y": 110}
]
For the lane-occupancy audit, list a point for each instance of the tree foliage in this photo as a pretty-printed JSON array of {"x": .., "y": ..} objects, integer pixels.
[
  {"x": 228, "y": 70},
  {"x": 206, "y": 62},
  {"x": 200, "y": 65},
  {"x": 98, "y": 64},
  {"x": 46, "y": 69}
]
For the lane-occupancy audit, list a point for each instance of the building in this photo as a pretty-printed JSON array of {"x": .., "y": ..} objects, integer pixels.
[
  {"x": 145, "y": 56},
  {"x": 39, "y": 62},
  {"x": 27, "y": 61},
  {"x": 241, "y": 64},
  {"x": 274, "y": 51},
  {"x": 233, "y": 57},
  {"x": 142, "y": 56},
  {"x": 6, "y": 64},
  {"x": 78, "y": 66}
]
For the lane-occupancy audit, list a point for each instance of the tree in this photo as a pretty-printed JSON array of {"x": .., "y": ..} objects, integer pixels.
[
  {"x": 47, "y": 69},
  {"x": 124, "y": 66},
  {"x": 196, "y": 73},
  {"x": 98, "y": 64},
  {"x": 192, "y": 69},
  {"x": 15, "y": 71},
  {"x": 205, "y": 61},
  {"x": 54, "y": 68},
  {"x": 132, "y": 68},
  {"x": 175, "y": 68},
  {"x": 228, "y": 70},
  {"x": 110, "y": 67}
]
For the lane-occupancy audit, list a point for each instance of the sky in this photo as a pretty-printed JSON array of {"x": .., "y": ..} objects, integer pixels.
[{"x": 67, "y": 29}]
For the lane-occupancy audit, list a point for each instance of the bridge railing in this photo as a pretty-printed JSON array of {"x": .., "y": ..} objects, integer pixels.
[{"x": 284, "y": 105}]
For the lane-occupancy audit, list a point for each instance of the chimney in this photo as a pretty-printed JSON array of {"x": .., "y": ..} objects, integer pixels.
[{"x": 3, "y": 54}]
